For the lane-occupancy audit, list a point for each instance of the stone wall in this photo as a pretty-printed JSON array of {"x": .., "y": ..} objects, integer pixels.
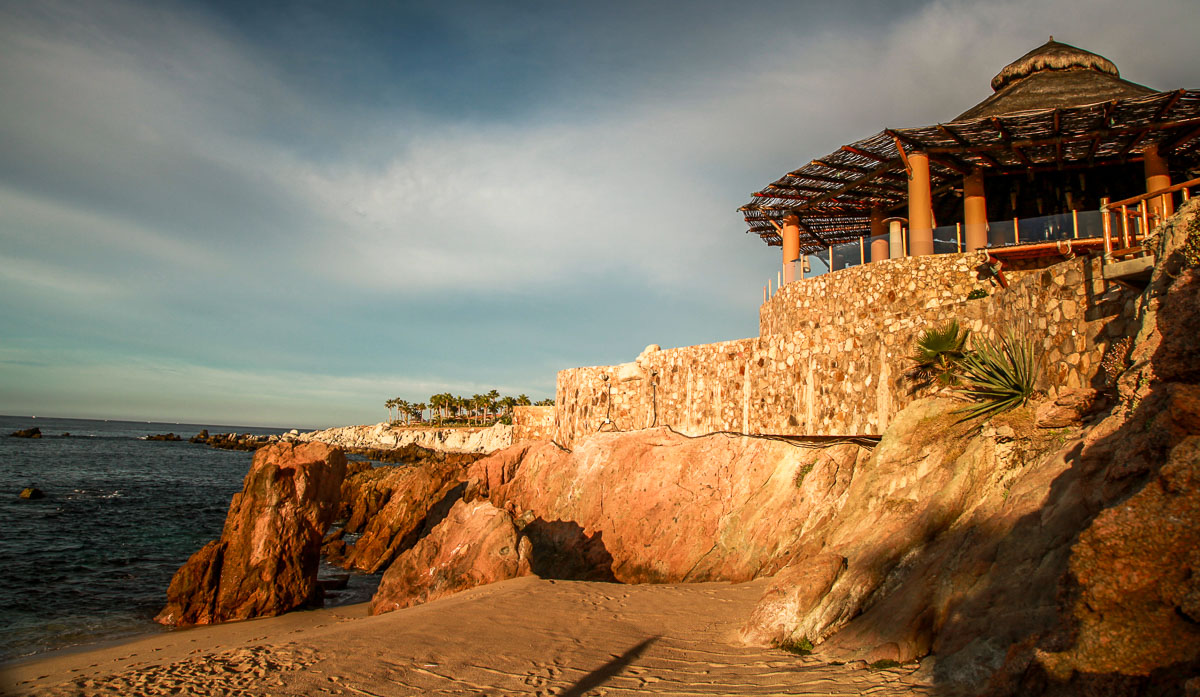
[
  {"x": 904, "y": 285},
  {"x": 532, "y": 423},
  {"x": 842, "y": 373}
]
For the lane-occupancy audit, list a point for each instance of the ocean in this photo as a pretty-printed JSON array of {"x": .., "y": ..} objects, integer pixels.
[{"x": 91, "y": 562}]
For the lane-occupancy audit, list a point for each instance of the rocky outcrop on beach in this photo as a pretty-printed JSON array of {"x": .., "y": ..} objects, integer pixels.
[
  {"x": 384, "y": 436},
  {"x": 668, "y": 508},
  {"x": 476, "y": 544},
  {"x": 394, "y": 507},
  {"x": 265, "y": 562},
  {"x": 34, "y": 432}
]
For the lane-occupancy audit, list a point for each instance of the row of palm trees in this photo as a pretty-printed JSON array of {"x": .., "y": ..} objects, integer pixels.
[{"x": 477, "y": 409}]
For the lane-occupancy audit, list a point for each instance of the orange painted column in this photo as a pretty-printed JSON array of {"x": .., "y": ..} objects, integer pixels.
[
  {"x": 975, "y": 210},
  {"x": 879, "y": 243},
  {"x": 1157, "y": 177},
  {"x": 920, "y": 206},
  {"x": 791, "y": 246}
]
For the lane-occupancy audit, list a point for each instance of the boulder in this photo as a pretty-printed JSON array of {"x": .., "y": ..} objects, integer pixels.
[
  {"x": 266, "y": 561},
  {"x": 32, "y": 492},
  {"x": 1070, "y": 408},
  {"x": 475, "y": 545},
  {"x": 793, "y": 592},
  {"x": 34, "y": 432},
  {"x": 201, "y": 437}
]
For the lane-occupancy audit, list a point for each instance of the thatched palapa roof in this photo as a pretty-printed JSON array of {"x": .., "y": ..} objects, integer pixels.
[
  {"x": 1055, "y": 106},
  {"x": 1054, "y": 75}
]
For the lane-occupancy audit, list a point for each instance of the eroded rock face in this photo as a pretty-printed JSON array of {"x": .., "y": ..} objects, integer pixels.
[
  {"x": 396, "y": 506},
  {"x": 476, "y": 544},
  {"x": 658, "y": 507},
  {"x": 265, "y": 562},
  {"x": 1137, "y": 567}
]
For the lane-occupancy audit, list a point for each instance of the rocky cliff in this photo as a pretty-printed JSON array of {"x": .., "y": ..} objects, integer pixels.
[{"x": 384, "y": 436}]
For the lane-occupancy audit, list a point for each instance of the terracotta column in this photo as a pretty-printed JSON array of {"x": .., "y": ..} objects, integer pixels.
[
  {"x": 879, "y": 243},
  {"x": 791, "y": 246},
  {"x": 974, "y": 210},
  {"x": 920, "y": 206},
  {"x": 1157, "y": 177}
]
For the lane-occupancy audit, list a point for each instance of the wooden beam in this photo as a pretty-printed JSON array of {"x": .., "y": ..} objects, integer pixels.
[
  {"x": 1170, "y": 144},
  {"x": 878, "y": 171},
  {"x": 1080, "y": 137},
  {"x": 863, "y": 153},
  {"x": 1132, "y": 142},
  {"x": 959, "y": 139},
  {"x": 1162, "y": 112}
]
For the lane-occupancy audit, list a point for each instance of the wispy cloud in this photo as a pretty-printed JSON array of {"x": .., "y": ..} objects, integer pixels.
[{"x": 465, "y": 192}]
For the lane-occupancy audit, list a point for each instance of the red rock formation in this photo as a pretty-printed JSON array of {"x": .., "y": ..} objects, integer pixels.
[
  {"x": 668, "y": 508},
  {"x": 266, "y": 560},
  {"x": 415, "y": 499},
  {"x": 475, "y": 545}
]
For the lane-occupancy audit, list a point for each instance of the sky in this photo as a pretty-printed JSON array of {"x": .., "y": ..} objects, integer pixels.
[{"x": 286, "y": 213}]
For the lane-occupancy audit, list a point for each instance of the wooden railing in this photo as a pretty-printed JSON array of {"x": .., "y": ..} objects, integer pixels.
[{"x": 1146, "y": 210}]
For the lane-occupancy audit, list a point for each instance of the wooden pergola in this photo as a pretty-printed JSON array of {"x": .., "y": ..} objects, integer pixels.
[
  {"x": 833, "y": 197},
  {"x": 1060, "y": 117}
]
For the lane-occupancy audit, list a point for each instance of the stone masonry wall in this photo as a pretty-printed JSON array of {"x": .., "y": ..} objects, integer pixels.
[
  {"x": 532, "y": 423},
  {"x": 843, "y": 373},
  {"x": 903, "y": 285}
]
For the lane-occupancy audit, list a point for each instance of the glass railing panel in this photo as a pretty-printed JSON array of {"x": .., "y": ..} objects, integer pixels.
[
  {"x": 946, "y": 239},
  {"x": 1000, "y": 233},
  {"x": 1091, "y": 224}
]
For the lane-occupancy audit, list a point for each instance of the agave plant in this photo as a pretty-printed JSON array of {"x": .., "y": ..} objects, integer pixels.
[
  {"x": 938, "y": 353},
  {"x": 999, "y": 375}
]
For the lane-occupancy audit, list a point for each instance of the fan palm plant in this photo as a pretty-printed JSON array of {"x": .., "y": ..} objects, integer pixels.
[
  {"x": 999, "y": 375},
  {"x": 937, "y": 355}
]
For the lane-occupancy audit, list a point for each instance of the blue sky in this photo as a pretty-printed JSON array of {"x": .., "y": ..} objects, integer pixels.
[{"x": 284, "y": 213}]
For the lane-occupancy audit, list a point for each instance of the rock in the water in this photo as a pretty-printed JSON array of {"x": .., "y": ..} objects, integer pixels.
[
  {"x": 267, "y": 558},
  {"x": 170, "y": 437},
  {"x": 475, "y": 545},
  {"x": 201, "y": 437},
  {"x": 32, "y": 492},
  {"x": 34, "y": 432}
]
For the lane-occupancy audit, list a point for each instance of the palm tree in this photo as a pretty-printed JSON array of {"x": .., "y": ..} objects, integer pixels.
[
  {"x": 937, "y": 354},
  {"x": 523, "y": 400}
]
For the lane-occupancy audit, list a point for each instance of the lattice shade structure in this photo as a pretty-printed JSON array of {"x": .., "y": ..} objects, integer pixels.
[{"x": 833, "y": 196}]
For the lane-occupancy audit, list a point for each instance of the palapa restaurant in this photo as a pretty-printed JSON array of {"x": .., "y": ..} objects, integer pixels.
[{"x": 1064, "y": 157}]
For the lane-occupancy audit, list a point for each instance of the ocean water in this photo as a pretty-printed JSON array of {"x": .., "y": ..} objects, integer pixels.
[{"x": 91, "y": 562}]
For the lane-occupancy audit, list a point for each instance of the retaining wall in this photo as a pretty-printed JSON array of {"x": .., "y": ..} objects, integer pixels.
[
  {"x": 532, "y": 423},
  {"x": 842, "y": 371}
]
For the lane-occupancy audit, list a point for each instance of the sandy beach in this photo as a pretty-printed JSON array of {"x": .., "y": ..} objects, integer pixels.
[{"x": 526, "y": 636}]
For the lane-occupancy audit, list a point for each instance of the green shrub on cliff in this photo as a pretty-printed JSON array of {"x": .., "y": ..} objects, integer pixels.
[
  {"x": 937, "y": 354},
  {"x": 999, "y": 375}
]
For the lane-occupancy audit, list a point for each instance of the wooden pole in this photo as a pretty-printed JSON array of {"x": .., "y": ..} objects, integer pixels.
[
  {"x": 831, "y": 258},
  {"x": 1075, "y": 222},
  {"x": 862, "y": 250},
  {"x": 958, "y": 237},
  {"x": 1106, "y": 222},
  {"x": 1125, "y": 226},
  {"x": 1016, "y": 231}
]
